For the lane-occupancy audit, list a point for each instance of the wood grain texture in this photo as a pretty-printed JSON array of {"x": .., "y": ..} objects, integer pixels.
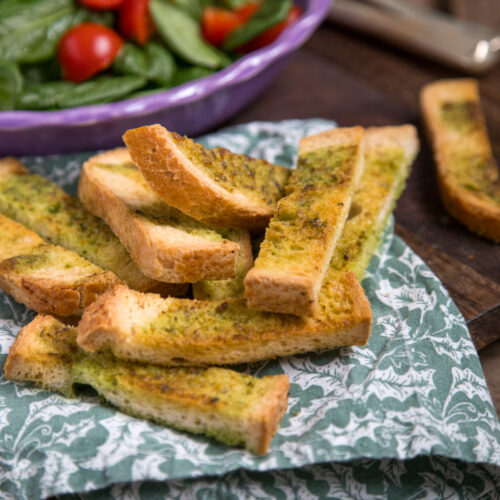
[{"x": 477, "y": 297}]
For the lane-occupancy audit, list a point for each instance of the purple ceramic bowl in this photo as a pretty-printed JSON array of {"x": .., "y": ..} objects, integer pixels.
[{"x": 192, "y": 108}]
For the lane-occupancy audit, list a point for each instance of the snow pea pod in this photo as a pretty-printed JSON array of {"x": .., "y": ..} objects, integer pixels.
[
  {"x": 182, "y": 34},
  {"x": 11, "y": 84},
  {"x": 270, "y": 13}
]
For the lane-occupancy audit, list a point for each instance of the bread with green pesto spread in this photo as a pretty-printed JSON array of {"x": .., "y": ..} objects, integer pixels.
[
  {"x": 299, "y": 242},
  {"x": 231, "y": 407},
  {"x": 47, "y": 278},
  {"x": 61, "y": 219},
  {"x": 467, "y": 174},
  {"x": 230, "y": 288},
  {"x": 214, "y": 186},
  {"x": 185, "y": 332},
  {"x": 166, "y": 244}
]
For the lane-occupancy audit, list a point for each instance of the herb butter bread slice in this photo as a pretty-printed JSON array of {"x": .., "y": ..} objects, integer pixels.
[
  {"x": 166, "y": 244},
  {"x": 228, "y": 406},
  {"x": 47, "y": 278},
  {"x": 467, "y": 174},
  {"x": 215, "y": 186},
  {"x": 182, "y": 332},
  {"x": 230, "y": 288},
  {"x": 61, "y": 219},
  {"x": 302, "y": 234}
]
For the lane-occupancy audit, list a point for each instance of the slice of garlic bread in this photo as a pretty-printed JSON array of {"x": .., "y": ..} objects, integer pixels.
[
  {"x": 228, "y": 406},
  {"x": 61, "y": 219},
  {"x": 231, "y": 288},
  {"x": 166, "y": 244},
  {"x": 302, "y": 234},
  {"x": 47, "y": 278},
  {"x": 389, "y": 153},
  {"x": 468, "y": 177},
  {"x": 181, "y": 332},
  {"x": 215, "y": 186}
]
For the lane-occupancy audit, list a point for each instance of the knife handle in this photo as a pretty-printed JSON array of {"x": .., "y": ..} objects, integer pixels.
[{"x": 469, "y": 47}]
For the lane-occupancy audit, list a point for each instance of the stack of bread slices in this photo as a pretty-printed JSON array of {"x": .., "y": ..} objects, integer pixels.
[{"x": 154, "y": 265}]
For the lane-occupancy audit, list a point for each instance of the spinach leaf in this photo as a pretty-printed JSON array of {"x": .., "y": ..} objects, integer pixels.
[
  {"x": 161, "y": 63},
  {"x": 270, "y": 13},
  {"x": 31, "y": 29},
  {"x": 43, "y": 95},
  {"x": 100, "y": 90},
  {"x": 153, "y": 62},
  {"x": 182, "y": 34},
  {"x": 131, "y": 60},
  {"x": 55, "y": 95},
  {"x": 192, "y": 7},
  {"x": 47, "y": 71},
  {"x": 184, "y": 75},
  {"x": 11, "y": 84},
  {"x": 232, "y": 4}
]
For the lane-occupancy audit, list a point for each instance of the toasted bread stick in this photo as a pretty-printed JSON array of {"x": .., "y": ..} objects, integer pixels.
[
  {"x": 166, "y": 244},
  {"x": 231, "y": 407},
  {"x": 47, "y": 278},
  {"x": 182, "y": 332},
  {"x": 215, "y": 186},
  {"x": 61, "y": 219},
  {"x": 231, "y": 288},
  {"x": 299, "y": 243},
  {"x": 467, "y": 173}
]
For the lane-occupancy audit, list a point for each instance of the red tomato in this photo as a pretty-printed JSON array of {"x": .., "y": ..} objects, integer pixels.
[
  {"x": 273, "y": 32},
  {"x": 247, "y": 10},
  {"x": 101, "y": 4},
  {"x": 217, "y": 23},
  {"x": 135, "y": 21},
  {"x": 86, "y": 50}
]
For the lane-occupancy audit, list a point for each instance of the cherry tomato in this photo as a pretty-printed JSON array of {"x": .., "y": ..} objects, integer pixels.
[
  {"x": 273, "y": 32},
  {"x": 101, "y": 4},
  {"x": 135, "y": 21},
  {"x": 87, "y": 49},
  {"x": 217, "y": 23},
  {"x": 247, "y": 10}
]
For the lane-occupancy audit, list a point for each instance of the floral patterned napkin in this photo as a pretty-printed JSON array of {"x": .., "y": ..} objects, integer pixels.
[{"x": 407, "y": 416}]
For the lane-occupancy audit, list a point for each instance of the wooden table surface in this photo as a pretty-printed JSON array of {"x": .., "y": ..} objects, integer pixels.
[{"x": 355, "y": 80}]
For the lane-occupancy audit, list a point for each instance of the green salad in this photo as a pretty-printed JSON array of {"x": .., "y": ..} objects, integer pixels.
[{"x": 57, "y": 54}]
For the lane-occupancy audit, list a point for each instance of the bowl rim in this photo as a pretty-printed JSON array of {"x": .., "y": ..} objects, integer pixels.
[{"x": 240, "y": 71}]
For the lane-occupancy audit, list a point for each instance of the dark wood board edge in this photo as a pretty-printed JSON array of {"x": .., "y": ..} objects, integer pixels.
[{"x": 477, "y": 297}]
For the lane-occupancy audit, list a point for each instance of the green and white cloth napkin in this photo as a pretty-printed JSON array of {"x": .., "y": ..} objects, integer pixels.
[{"x": 407, "y": 416}]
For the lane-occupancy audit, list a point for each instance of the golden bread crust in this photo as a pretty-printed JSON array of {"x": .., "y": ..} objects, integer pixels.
[
  {"x": 49, "y": 289},
  {"x": 11, "y": 166},
  {"x": 477, "y": 213},
  {"x": 295, "y": 287},
  {"x": 268, "y": 413},
  {"x": 117, "y": 319},
  {"x": 207, "y": 401},
  {"x": 185, "y": 187},
  {"x": 29, "y": 360},
  {"x": 161, "y": 252}
]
